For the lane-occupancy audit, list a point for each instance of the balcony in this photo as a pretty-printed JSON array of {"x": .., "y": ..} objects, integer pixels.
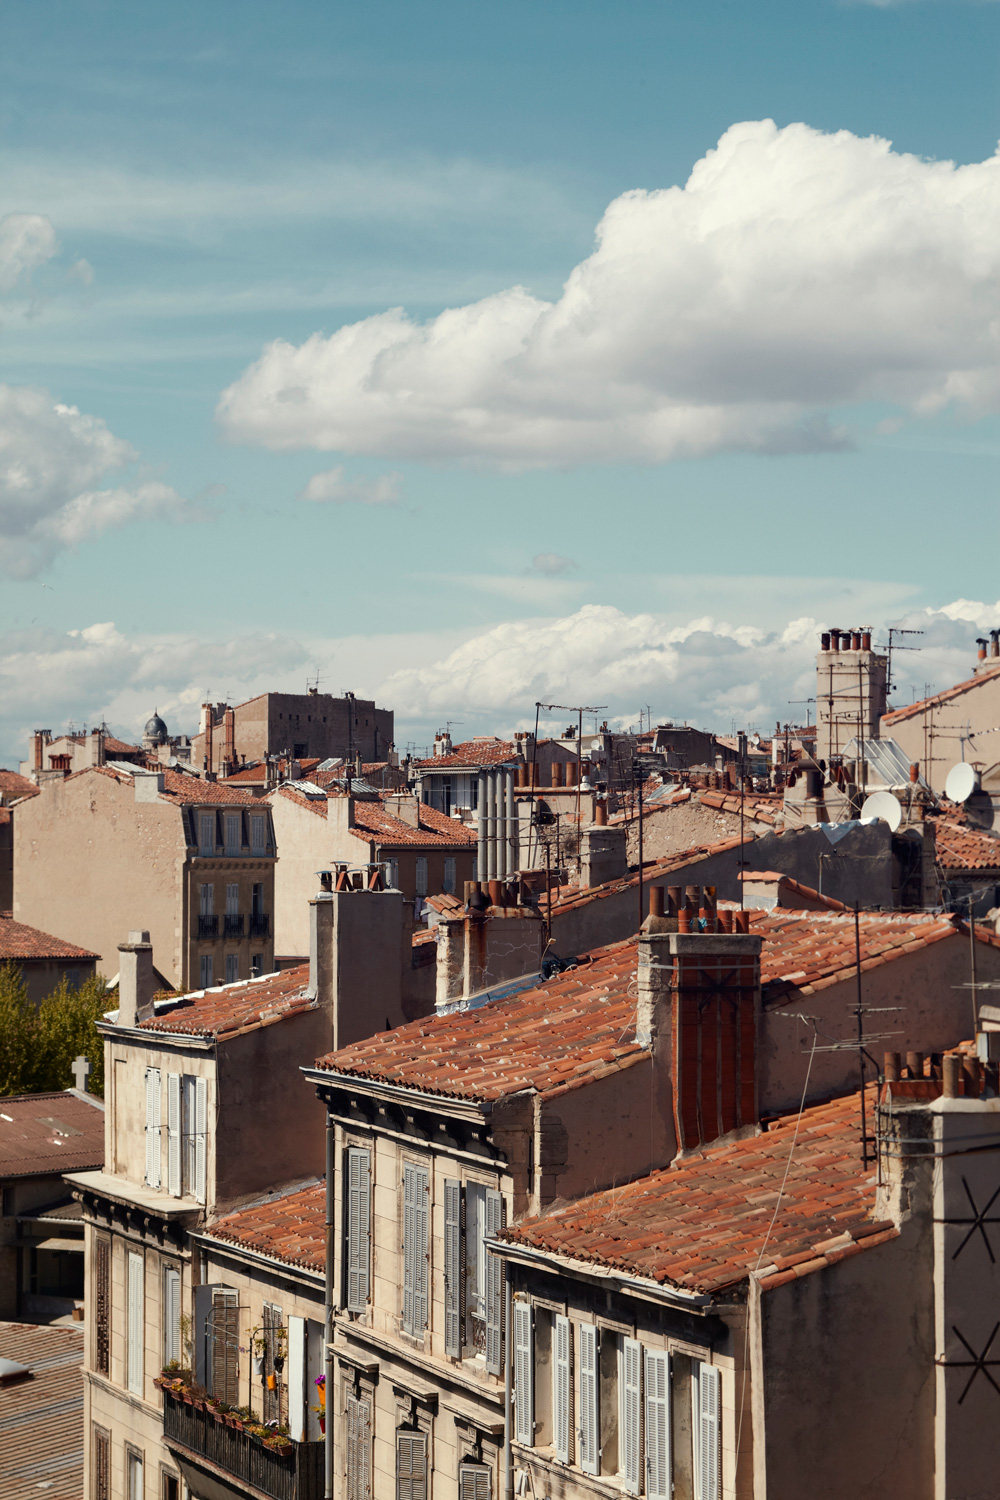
[
  {"x": 207, "y": 1443},
  {"x": 260, "y": 924},
  {"x": 233, "y": 925},
  {"x": 208, "y": 927}
]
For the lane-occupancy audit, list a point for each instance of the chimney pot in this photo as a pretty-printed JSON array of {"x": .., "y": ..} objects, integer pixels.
[
  {"x": 866, "y": 640},
  {"x": 995, "y": 642},
  {"x": 834, "y": 640},
  {"x": 601, "y": 815},
  {"x": 951, "y": 1072},
  {"x": 915, "y": 1064},
  {"x": 656, "y": 901},
  {"x": 891, "y": 1067},
  {"x": 981, "y": 643},
  {"x": 824, "y": 641}
]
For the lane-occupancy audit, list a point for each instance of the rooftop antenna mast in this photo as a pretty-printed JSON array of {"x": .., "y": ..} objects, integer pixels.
[
  {"x": 574, "y": 708},
  {"x": 895, "y": 630}
]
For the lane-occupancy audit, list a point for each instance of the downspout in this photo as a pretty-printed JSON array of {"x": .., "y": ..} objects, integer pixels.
[
  {"x": 328, "y": 1311},
  {"x": 508, "y": 1388}
]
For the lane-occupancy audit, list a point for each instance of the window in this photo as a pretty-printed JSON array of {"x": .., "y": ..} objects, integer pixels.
[
  {"x": 194, "y": 1110},
  {"x": 707, "y": 1430},
  {"x": 134, "y": 1489},
  {"x": 562, "y": 1388},
  {"x": 392, "y": 874},
  {"x": 170, "y": 1486},
  {"x": 221, "y": 1335},
  {"x": 102, "y": 1463},
  {"x": 474, "y": 793},
  {"x": 273, "y": 1319},
  {"x": 524, "y": 1375},
  {"x": 589, "y": 1416},
  {"x": 171, "y": 1315},
  {"x": 659, "y": 1484},
  {"x": 416, "y": 1249},
  {"x": 358, "y": 1216},
  {"x": 301, "y": 749},
  {"x": 206, "y": 970},
  {"x": 153, "y": 1127},
  {"x": 208, "y": 924},
  {"x": 449, "y": 874},
  {"x": 232, "y": 968},
  {"x": 630, "y": 1415},
  {"x": 232, "y": 898},
  {"x": 411, "y": 1466},
  {"x": 206, "y": 833},
  {"x": 256, "y": 964},
  {"x": 473, "y": 1278},
  {"x": 102, "y": 1305},
  {"x": 359, "y": 1448},
  {"x": 234, "y": 833},
  {"x": 474, "y": 1482},
  {"x": 136, "y": 1324},
  {"x": 258, "y": 833},
  {"x": 420, "y": 875}
]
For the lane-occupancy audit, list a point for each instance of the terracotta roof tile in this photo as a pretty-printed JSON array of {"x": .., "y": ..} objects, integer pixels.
[
  {"x": 179, "y": 787},
  {"x": 477, "y": 754},
  {"x": 371, "y": 820},
  {"x": 18, "y": 941},
  {"x": 290, "y": 1227},
  {"x": 41, "y": 1133},
  {"x": 963, "y": 847},
  {"x": 571, "y": 896},
  {"x": 922, "y": 704},
  {"x": 14, "y": 786},
  {"x": 234, "y": 1007}
]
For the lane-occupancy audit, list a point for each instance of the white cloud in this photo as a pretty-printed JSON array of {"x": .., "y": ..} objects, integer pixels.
[
  {"x": 336, "y": 487},
  {"x": 52, "y": 457},
  {"x": 789, "y": 279},
  {"x": 551, "y": 564},
  {"x": 27, "y": 241}
]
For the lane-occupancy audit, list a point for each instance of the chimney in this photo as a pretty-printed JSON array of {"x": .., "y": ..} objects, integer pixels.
[
  {"x": 482, "y": 948},
  {"x": 603, "y": 854},
  {"x": 206, "y": 729},
  {"x": 135, "y": 979},
  {"x": 698, "y": 1011},
  {"x": 229, "y": 740},
  {"x": 147, "y": 785},
  {"x": 995, "y": 642},
  {"x": 356, "y": 956},
  {"x": 97, "y": 747},
  {"x": 834, "y": 640},
  {"x": 981, "y": 644}
]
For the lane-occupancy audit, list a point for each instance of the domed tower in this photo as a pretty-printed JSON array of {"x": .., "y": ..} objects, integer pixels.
[{"x": 155, "y": 733}]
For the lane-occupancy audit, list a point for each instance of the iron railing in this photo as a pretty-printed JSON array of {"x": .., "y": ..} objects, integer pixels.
[
  {"x": 234, "y": 924},
  {"x": 202, "y": 1434},
  {"x": 260, "y": 924},
  {"x": 208, "y": 927}
]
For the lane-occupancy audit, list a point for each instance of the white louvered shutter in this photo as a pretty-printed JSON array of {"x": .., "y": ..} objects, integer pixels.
[
  {"x": 630, "y": 1415},
  {"x": 296, "y": 1379},
  {"x": 174, "y": 1134},
  {"x": 200, "y": 1134},
  {"x": 524, "y": 1375},
  {"x": 707, "y": 1485},
  {"x": 136, "y": 1324},
  {"x": 453, "y": 1268},
  {"x": 589, "y": 1424},
  {"x": 494, "y": 1285},
  {"x": 411, "y": 1466},
  {"x": 358, "y": 1227},
  {"x": 415, "y": 1249},
  {"x": 658, "y": 1464},
  {"x": 474, "y": 1482},
  {"x": 562, "y": 1387},
  {"x": 171, "y": 1315},
  {"x": 359, "y": 1447},
  {"x": 153, "y": 1127}
]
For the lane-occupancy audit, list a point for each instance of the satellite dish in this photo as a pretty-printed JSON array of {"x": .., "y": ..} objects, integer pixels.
[
  {"x": 962, "y": 781},
  {"x": 755, "y": 741},
  {"x": 884, "y": 806},
  {"x": 596, "y": 748}
]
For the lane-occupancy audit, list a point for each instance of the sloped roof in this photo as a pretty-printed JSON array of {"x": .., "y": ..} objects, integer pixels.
[
  {"x": 41, "y": 1133},
  {"x": 19, "y": 941},
  {"x": 42, "y": 1419},
  {"x": 178, "y": 787},
  {"x": 473, "y": 754},
  {"x": 14, "y": 786},
  {"x": 704, "y": 1223},
  {"x": 289, "y": 1227},
  {"x": 911, "y": 710},
  {"x": 233, "y": 1008},
  {"x": 571, "y": 896},
  {"x": 960, "y": 846},
  {"x": 372, "y": 820}
]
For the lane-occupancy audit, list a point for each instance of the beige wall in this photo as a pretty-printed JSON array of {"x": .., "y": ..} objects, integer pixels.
[
  {"x": 220, "y": 871},
  {"x": 930, "y": 737}
]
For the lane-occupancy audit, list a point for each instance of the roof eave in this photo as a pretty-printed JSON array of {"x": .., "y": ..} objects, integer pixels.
[
  {"x": 605, "y": 1276},
  {"x": 469, "y": 1109}
]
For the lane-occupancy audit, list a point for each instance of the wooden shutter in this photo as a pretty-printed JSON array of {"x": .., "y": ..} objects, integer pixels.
[
  {"x": 524, "y": 1375},
  {"x": 475, "y": 1482},
  {"x": 359, "y": 1449},
  {"x": 102, "y": 1306},
  {"x": 658, "y": 1465},
  {"x": 273, "y": 1320},
  {"x": 411, "y": 1466},
  {"x": 358, "y": 1227},
  {"x": 494, "y": 1285},
  {"x": 630, "y": 1415},
  {"x": 153, "y": 1127},
  {"x": 296, "y": 1379},
  {"x": 174, "y": 1134},
  {"x": 171, "y": 1315},
  {"x": 136, "y": 1324},
  {"x": 590, "y": 1416},
  {"x": 102, "y": 1463},
  {"x": 453, "y": 1268},
  {"x": 200, "y": 1132},
  {"x": 707, "y": 1435},
  {"x": 562, "y": 1387},
  {"x": 415, "y": 1249},
  {"x": 223, "y": 1345}
]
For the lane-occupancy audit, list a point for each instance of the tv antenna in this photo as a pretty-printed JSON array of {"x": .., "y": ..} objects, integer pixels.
[{"x": 895, "y": 630}]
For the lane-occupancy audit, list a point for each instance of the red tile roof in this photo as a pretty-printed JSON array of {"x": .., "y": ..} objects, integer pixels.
[
  {"x": 43, "y": 1133},
  {"x": 808, "y": 951},
  {"x": 790, "y": 893},
  {"x": 371, "y": 820},
  {"x": 922, "y": 704},
  {"x": 570, "y": 896},
  {"x": 291, "y": 1227},
  {"x": 475, "y": 754},
  {"x": 704, "y": 1223},
  {"x": 179, "y": 787},
  {"x": 962, "y": 847},
  {"x": 42, "y": 1419},
  {"x": 234, "y": 1008},
  {"x": 14, "y": 786},
  {"x": 114, "y": 748},
  {"x": 18, "y": 941}
]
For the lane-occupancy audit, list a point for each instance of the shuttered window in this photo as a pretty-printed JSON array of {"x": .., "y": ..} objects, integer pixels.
[
  {"x": 590, "y": 1414},
  {"x": 524, "y": 1375},
  {"x": 448, "y": 883},
  {"x": 171, "y": 1315},
  {"x": 222, "y": 1341},
  {"x": 258, "y": 833},
  {"x": 658, "y": 1464},
  {"x": 135, "y": 1479},
  {"x": 102, "y": 1305},
  {"x": 630, "y": 1415},
  {"x": 206, "y": 900},
  {"x": 562, "y": 1387},
  {"x": 358, "y": 1227},
  {"x": 494, "y": 1285},
  {"x": 102, "y": 1463},
  {"x": 411, "y": 1466},
  {"x": 273, "y": 1320},
  {"x": 707, "y": 1432},
  {"x": 234, "y": 833},
  {"x": 475, "y": 1482},
  {"x": 232, "y": 899},
  {"x": 206, "y": 833},
  {"x": 454, "y": 1277},
  {"x": 195, "y": 1112},
  {"x": 359, "y": 1449},
  {"x": 206, "y": 971},
  {"x": 416, "y": 1249},
  {"x": 136, "y": 1324},
  {"x": 420, "y": 875},
  {"x": 174, "y": 1134},
  {"x": 153, "y": 1127}
]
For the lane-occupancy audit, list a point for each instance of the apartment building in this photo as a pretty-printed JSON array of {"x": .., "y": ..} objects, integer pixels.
[
  {"x": 189, "y": 860},
  {"x": 300, "y": 726}
]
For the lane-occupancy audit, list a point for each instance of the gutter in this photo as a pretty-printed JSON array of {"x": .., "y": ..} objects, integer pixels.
[
  {"x": 468, "y": 1109},
  {"x": 618, "y": 1281},
  {"x": 237, "y": 1251}
]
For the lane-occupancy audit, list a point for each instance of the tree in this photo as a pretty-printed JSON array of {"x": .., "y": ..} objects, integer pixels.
[
  {"x": 17, "y": 1023},
  {"x": 39, "y": 1045}
]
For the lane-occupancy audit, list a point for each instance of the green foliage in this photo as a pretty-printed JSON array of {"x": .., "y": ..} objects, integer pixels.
[{"x": 38, "y": 1045}]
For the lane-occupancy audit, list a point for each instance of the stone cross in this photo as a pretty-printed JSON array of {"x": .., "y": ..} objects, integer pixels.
[{"x": 81, "y": 1072}]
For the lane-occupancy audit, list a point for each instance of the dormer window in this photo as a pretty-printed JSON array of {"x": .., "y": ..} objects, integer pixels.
[{"x": 206, "y": 833}]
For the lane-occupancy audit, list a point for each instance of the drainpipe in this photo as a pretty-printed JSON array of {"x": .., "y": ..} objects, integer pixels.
[
  {"x": 508, "y": 1387},
  {"x": 328, "y": 1310}
]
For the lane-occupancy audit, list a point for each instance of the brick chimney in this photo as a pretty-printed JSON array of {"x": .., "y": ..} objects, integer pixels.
[
  {"x": 698, "y": 1010},
  {"x": 39, "y": 740},
  {"x": 484, "y": 946},
  {"x": 602, "y": 853},
  {"x": 136, "y": 983},
  {"x": 356, "y": 953}
]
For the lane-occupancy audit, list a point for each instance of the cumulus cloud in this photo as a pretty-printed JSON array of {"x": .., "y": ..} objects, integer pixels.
[
  {"x": 335, "y": 486},
  {"x": 795, "y": 274},
  {"x": 27, "y": 241},
  {"x": 52, "y": 458}
]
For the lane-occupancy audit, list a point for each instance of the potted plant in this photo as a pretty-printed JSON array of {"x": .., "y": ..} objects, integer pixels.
[
  {"x": 280, "y": 1348},
  {"x": 258, "y": 1350}
]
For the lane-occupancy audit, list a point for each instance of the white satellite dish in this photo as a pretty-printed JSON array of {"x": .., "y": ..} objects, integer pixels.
[
  {"x": 884, "y": 806},
  {"x": 962, "y": 781},
  {"x": 596, "y": 749}
]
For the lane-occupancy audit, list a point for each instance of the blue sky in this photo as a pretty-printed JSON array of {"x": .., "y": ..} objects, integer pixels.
[{"x": 708, "y": 444}]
